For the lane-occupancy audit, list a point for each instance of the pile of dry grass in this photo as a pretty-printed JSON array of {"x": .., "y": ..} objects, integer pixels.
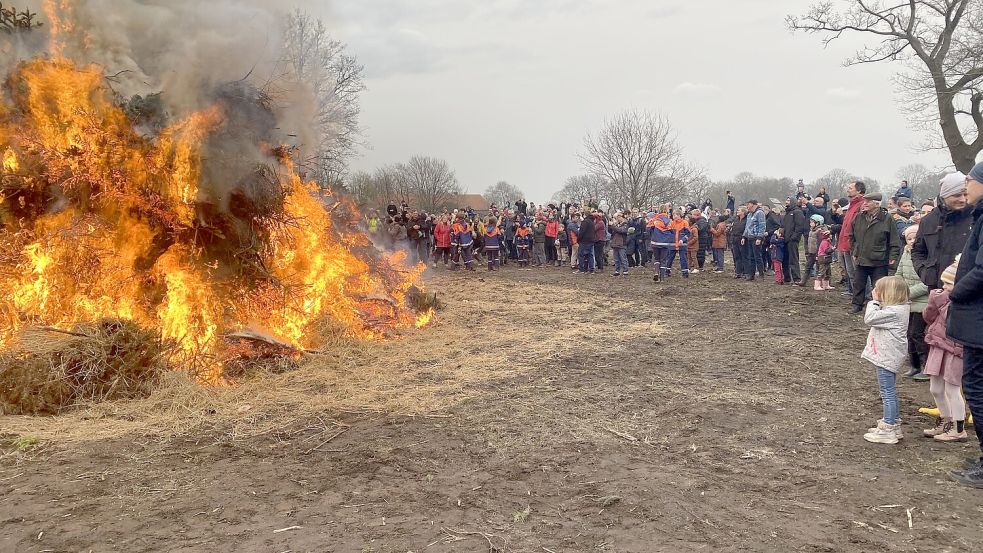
[{"x": 47, "y": 370}]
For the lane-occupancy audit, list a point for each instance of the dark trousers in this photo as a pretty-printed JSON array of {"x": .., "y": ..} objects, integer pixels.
[
  {"x": 737, "y": 252},
  {"x": 586, "y": 255},
  {"x": 863, "y": 273},
  {"x": 599, "y": 258},
  {"x": 643, "y": 251},
  {"x": 701, "y": 258},
  {"x": 512, "y": 252},
  {"x": 810, "y": 265},
  {"x": 550, "y": 247},
  {"x": 973, "y": 387},
  {"x": 790, "y": 265},
  {"x": 631, "y": 250},
  {"x": 753, "y": 259},
  {"x": 765, "y": 251},
  {"x": 917, "y": 348}
]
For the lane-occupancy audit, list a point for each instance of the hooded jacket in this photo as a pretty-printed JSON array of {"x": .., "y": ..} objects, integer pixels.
[
  {"x": 966, "y": 297},
  {"x": 719, "y": 232},
  {"x": 887, "y": 343},
  {"x": 936, "y": 314},
  {"x": 442, "y": 235},
  {"x": 586, "y": 233},
  {"x": 794, "y": 224},
  {"x": 703, "y": 232},
  {"x": 917, "y": 290},
  {"x": 941, "y": 236}
]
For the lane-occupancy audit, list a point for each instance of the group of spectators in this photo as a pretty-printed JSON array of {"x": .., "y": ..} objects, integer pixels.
[{"x": 866, "y": 238}]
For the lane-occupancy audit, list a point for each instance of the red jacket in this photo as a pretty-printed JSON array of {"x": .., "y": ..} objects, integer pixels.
[
  {"x": 843, "y": 243},
  {"x": 442, "y": 235},
  {"x": 552, "y": 229}
]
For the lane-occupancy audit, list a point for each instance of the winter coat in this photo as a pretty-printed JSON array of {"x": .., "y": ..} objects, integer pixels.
[
  {"x": 773, "y": 222},
  {"x": 523, "y": 238},
  {"x": 619, "y": 235},
  {"x": 508, "y": 229},
  {"x": 442, "y": 235},
  {"x": 755, "y": 224},
  {"x": 822, "y": 212},
  {"x": 875, "y": 241},
  {"x": 693, "y": 244},
  {"x": 493, "y": 239},
  {"x": 539, "y": 233},
  {"x": 843, "y": 243},
  {"x": 719, "y": 232},
  {"x": 966, "y": 310},
  {"x": 887, "y": 341},
  {"x": 917, "y": 290},
  {"x": 941, "y": 236},
  {"x": 904, "y": 192},
  {"x": 681, "y": 234},
  {"x": 552, "y": 229},
  {"x": 703, "y": 232},
  {"x": 812, "y": 242},
  {"x": 661, "y": 234},
  {"x": 572, "y": 230},
  {"x": 794, "y": 225},
  {"x": 461, "y": 234},
  {"x": 600, "y": 229},
  {"x": 936, "y": 314},
  {"x": 737, "y": 232},
  {"x": 903, "y": 221},
  {"x": 586, "y": 233},
  {"x": 777, "y": 248}
]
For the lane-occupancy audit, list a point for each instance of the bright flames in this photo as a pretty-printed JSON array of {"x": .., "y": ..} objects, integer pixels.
[{"x": 100, "y": 221}]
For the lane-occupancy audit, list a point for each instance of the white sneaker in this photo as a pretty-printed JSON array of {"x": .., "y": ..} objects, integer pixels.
[
  {"x": 884, "y": 433},
  {"x": 693, "y": 271}
]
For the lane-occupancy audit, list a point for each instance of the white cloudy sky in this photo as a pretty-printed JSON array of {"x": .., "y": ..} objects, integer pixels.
[{"x": 507, "y": 89}]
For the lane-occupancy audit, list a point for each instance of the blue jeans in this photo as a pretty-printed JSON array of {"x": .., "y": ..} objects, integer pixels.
[
  {"x": 683, "y": 261},
  {"x": 620, "y": 260},
  {"x": 887, "y": 381},
  {"x": 718, "y": 258}
]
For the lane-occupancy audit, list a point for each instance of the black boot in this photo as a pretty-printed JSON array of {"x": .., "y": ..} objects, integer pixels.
[{"x": 972, "y": 477}]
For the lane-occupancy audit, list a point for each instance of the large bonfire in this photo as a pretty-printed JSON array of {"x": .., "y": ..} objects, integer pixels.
[{"x": 198, "y": 229}]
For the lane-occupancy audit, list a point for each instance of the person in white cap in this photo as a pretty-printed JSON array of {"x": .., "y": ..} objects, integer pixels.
[{"x": 943, "y": 232}]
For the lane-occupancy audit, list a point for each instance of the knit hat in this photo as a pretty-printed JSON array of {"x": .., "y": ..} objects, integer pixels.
[
  {"x": 818, "y": 218},
  {"x": 977, "y": 172},
  {"x": 949, "y": 275},
  {"x": 954, "y": 183}
]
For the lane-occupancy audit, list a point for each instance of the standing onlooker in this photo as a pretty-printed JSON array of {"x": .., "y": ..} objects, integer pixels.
[
  {"x": 793, "y": 226},
  {"x": 552, "y": 230},
  {"x": 692, "y": 245},
  {"x": 875, "y": 246},
  {"x": 944, "y": 365},
  {"x": 719, "y": 242},
  {"x": 824, "y": 259},
  {"x": 754, "y": 239},
  {"x": 773, "y": 222},
  {"x": 855, "y": 192},
  {"x": 619, "y": 239},
  {"x": 442, "y": 240},
  {"x": 702, "y": 225},
  {"x": 736, "y": 237},
  {"x": 943, "y": 232},
  {"x": 887, "y": 316},
  {"x": 812, "y": 250},
  {"x": 777, "y": 247},
  {"x": 918, "y": 294},
  {"x": 904, "y": 191},
  {"x": 600, "y": 239},
  {"x": 585, "y": 244},
  {"x": 966, "y": 319},
  {"x": 904, "y": 215},
  {"x": 731, "y": 202},
  {"x": 539, "y": 242}
]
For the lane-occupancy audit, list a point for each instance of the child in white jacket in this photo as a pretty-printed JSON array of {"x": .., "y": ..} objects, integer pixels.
[{"x": 887, "y": 349}]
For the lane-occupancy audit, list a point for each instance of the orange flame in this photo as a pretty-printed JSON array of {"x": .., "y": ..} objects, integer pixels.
[{"x": 106, "y": 224}]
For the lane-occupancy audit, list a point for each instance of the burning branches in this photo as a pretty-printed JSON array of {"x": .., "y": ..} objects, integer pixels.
[
  {"x": 194, "y": 229},
  {"x": 13, "y": 20}
]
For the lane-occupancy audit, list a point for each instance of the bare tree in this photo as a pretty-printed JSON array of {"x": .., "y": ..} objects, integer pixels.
[
  {"x": 584, "y": 190},
  {"x": 940, "y": 42},
  {"x": 502, "y": 194},
  {"x": 637, "y": 153},
  {"x": 430, "y": 181},
  {"x": 334, "y": 78}
]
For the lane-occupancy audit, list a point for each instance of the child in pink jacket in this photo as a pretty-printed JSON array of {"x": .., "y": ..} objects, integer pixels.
[{"x": 944, "y": 365}]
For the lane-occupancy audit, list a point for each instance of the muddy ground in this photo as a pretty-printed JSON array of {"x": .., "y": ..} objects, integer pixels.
[{"x": 609, "y": 415}]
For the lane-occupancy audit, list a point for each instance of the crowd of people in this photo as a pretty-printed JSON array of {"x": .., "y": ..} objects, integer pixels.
[{"x": 915, "y": 274}]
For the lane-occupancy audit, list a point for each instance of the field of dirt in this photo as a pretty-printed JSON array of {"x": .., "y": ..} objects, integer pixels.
[{"x": 544, "y": 411}]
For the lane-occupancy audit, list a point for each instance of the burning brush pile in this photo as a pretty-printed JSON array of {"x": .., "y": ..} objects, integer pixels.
[{"x": 135, "y": 243}]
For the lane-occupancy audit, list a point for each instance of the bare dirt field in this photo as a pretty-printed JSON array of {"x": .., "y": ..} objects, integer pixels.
[{"x": 543, "y": 412}]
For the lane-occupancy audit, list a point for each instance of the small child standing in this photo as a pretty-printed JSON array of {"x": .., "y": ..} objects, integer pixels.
[
  {"x": 777, "y": 252},
  {"x": 523, "y": 243},
  {"x": 562, "y": 247},
  {"x": 944, "y": 365},
  {"x": 824, "y": 260},
  {"x": 887, "y": 347},
  {"x": 812, "y": 250},
  {"x": 493, "y": 243}
]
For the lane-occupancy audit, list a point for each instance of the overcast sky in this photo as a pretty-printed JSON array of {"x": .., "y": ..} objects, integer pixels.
[{"x": 507, "y": 89}]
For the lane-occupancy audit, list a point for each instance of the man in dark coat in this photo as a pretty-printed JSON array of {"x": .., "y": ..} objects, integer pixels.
[
  {"x": 966, "y": 321},
  {"x": 943, "y": 232},
  {"x": 793, "y": 225},
  {"x": 875, "y": 245},
  {"x": 585, "y": 241}
]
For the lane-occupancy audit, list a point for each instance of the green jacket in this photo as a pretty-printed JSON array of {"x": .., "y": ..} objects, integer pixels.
[
  {"x": 916, "y": 288},
  {"x": 875, "y": 242}
]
